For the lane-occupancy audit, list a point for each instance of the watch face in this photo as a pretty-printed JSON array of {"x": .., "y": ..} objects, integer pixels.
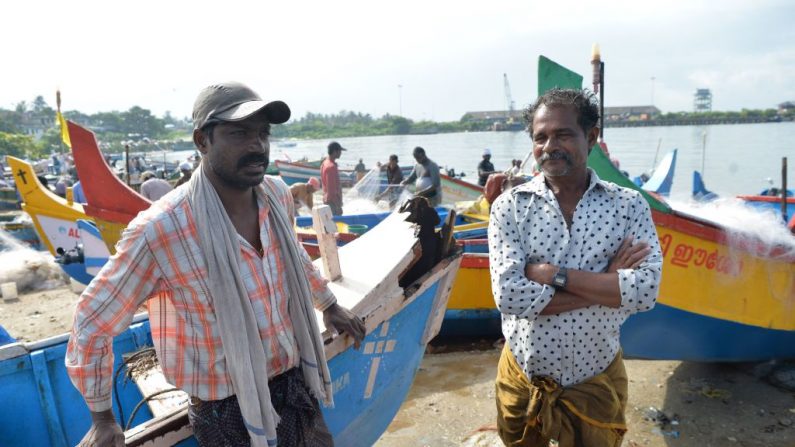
[{"x": 560, "y": 278}]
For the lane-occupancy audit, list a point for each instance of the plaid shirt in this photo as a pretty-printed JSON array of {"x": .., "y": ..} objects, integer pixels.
[{"x": 159, "y": 261}]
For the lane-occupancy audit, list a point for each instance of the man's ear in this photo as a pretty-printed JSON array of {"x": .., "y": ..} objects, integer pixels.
[
  {"x": 200, "y": 140},
  {"x": 593, "y": 135}
]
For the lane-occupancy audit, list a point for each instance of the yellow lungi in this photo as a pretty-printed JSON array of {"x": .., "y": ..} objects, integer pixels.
[{"x": 533, "y": 413}]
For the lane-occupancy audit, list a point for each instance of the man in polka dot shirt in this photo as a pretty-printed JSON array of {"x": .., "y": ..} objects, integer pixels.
[{"x": 571, "y": 256}]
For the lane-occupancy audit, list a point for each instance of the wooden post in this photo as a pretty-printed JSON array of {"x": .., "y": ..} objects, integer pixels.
[
  {"x": 325, "y": 228},
  {"x": 784, "y": 189}
]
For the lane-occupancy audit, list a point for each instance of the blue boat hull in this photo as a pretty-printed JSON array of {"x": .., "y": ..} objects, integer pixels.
[
  {"x": 369, "y": 384},
  {"x": 667, "y": 333}
]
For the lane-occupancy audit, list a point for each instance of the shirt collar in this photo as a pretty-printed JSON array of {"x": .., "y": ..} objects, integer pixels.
[{"x": 539, "y": 187}]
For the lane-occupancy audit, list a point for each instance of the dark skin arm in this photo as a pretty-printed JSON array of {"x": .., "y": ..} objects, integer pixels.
[
  {"x": 341, "y": 320},
  {"x": 586, "y": 289},
  {"x": 104, "y": 431}
]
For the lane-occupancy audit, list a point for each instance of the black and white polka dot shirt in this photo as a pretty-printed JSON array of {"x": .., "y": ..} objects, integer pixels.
[{"x": 527, "y": 227}]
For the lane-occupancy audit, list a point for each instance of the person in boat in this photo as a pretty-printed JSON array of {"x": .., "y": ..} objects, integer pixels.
[
  {"x": 571, "y": 256},
  {"x": 303, "y": 193},
  {"x": 221, "y": 269},
  {"x": 485, "y": 167},
  {"x": 360, "y": 169},
  {"x": 185, "y": 170},
  {"x": 330, "y": 178},
  {"x": 394, "y": 176},
  {"x": 152, "y": 187},
  {"x": 428, "y": 182}
]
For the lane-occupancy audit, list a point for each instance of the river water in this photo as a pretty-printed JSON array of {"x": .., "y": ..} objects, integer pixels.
[{"x": 737, "y": 159}]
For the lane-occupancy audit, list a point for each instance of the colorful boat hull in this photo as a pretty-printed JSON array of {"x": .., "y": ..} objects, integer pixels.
[
  {"x": 53, "y": 217},
  {"x": 455, "y": 190},
  {"x": 111, "y": 203},
  {"x": 369, "y": 384}
]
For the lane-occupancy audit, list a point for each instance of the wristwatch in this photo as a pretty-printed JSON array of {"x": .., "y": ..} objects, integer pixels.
[{"x": 561, "y": 278}]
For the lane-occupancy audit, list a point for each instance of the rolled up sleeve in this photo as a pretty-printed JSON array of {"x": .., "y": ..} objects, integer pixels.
[
  {"x": 640, "y": 287},
  {"x": 513, "y": 293},
  {"x": 105, "y": 309}
]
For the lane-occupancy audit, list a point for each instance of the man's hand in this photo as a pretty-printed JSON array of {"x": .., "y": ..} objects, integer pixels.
[
  {"x": 628, "y": 256},
  {"x": 340, "y": 320},
  {"x": 104, "y": 431},
  {"x": 541, "y": 273}
]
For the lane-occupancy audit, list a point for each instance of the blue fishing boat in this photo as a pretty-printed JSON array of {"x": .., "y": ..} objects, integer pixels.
[
  {"x": 94, "y": 250},
  {"x": 369, "y": 384},
  {"x": 662, "y": 178}
]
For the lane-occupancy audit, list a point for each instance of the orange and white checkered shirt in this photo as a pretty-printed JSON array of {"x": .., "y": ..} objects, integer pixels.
[{"x": 159, "y": 261}]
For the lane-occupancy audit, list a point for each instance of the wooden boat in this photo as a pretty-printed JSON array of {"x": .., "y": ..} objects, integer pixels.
[
  {"x": 662, "y": 178},
  {"x": 93, "y": 249},
  {"x": 471, "y": 311},
  {"x": 718, "y": 300},
  {"x": 369, "y": 384},
  {"x": 761, "y": 201},
  {"x": 53, "y": 217},
  {"x": 111, "y": 203},
  {"x": 301, "y": 173},
  {"x": 700, "y": 191},
  {"x": 457, "y": 190},
  {"x": 21, "y": 229},
  {"x": 8, "y": 199},
  {"x": 466, "y": 226}
]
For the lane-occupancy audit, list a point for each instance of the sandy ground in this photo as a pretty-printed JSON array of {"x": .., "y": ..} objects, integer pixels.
[
  {"x": 39, "y": 315},
  {"x": 452, "y": 400},
  {"x": 452, "y": 404}
]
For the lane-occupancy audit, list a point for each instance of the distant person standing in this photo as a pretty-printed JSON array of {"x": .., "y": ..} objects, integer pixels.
[
  {"x": 428, "y": 183},
  {"x": 78, "y": 195},
  {"x": 330, "y": 177},
  {"x": 152, "y": 187},
  {"x": 185, "y": 169},
  {"x": 485, "y": 167},
  {"x": 360, "y": 170}
]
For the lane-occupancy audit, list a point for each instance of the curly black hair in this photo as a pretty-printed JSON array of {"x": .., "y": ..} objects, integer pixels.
[{"x": 584, "y": 102}]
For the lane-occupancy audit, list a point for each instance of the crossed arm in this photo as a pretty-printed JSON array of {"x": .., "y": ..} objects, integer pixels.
[{"x": 587, "y": 288}]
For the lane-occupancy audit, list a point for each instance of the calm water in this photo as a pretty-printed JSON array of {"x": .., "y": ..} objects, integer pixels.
[{"x": 739, "y": 158}]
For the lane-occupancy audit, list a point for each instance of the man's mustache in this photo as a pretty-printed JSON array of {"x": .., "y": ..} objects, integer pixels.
[
  {"x": 556, "y": 155},
  {"x": 252, "y": 159}
]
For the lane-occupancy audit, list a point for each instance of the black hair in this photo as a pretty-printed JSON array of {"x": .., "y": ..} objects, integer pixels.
[
  {"x": 584, "y": 102},
  {"x": 419, "y": 150},
  {"x": 393, "y": 157}
]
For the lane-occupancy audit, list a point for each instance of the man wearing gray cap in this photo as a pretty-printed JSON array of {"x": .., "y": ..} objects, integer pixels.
[{"x": 230, "y": 292}]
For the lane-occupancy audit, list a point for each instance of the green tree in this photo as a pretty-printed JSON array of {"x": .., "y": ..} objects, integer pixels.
[{"x": 18, "y": 145}]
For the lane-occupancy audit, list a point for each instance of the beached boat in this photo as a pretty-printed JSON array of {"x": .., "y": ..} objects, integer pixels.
[
  {"x": 466, "y": 226},
  {"x": 301, "y": 173},
  {"x": 662, "y": 178},
  {"x": 21, "y": 228},
  {"x": 719, "y": 300},
  {"x": 92, "y": 247},
  {"x": 457, "y": 190},
  {"x": 111, "y": 203},
  {"x": 54, "y": 218},
  {"x": 8, "y": 199},
  {"x": 369, "y": 384},
  {"x": 762, "y": 201}
]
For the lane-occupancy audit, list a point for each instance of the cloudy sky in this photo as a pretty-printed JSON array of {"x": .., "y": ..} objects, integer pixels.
[{"x": 448, "y": 56}]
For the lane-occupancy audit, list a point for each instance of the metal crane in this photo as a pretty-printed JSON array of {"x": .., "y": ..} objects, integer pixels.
[{"x": 508, "y": 99}]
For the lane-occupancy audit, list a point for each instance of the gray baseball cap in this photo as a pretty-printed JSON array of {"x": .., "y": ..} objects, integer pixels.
[{"x": 233, "y": 101}]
